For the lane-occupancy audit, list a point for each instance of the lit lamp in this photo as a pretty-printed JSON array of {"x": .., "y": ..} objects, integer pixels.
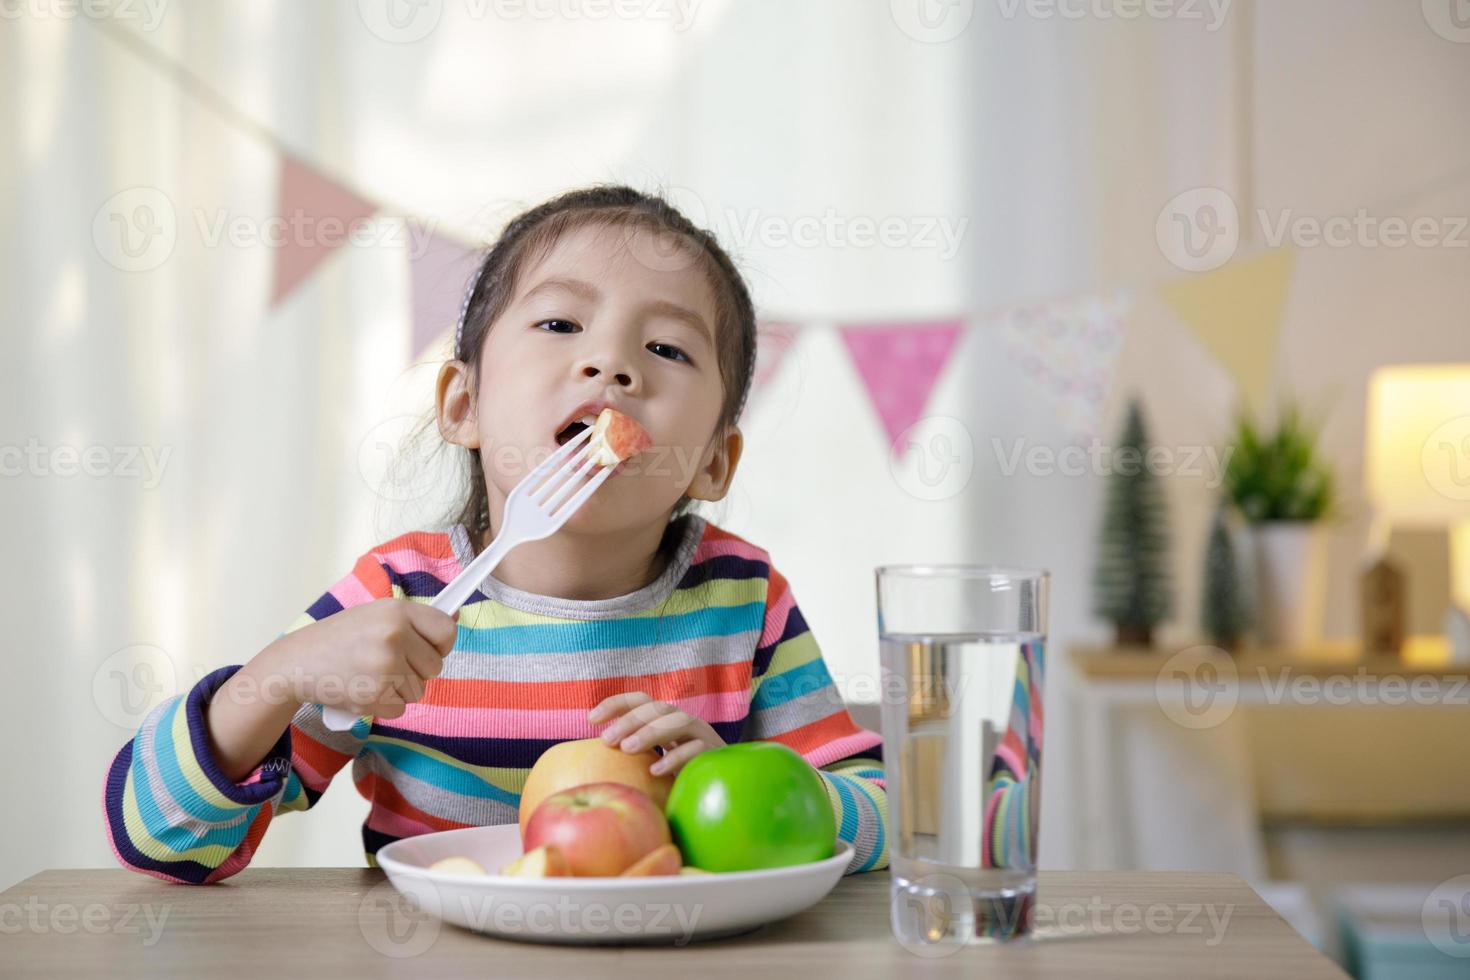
[{"x": 1418, "y": 468}]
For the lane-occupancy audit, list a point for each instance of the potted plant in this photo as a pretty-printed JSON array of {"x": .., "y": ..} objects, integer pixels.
[{"x": 1285, "y": 491}]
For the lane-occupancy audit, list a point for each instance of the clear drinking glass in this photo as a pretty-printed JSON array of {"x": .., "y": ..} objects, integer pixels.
[{"x": 963, "y": 660}]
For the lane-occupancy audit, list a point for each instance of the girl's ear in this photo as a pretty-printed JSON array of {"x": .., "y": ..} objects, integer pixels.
[
  {"x": 455, "y": 403},
  {"x": 713, "y": 481}
]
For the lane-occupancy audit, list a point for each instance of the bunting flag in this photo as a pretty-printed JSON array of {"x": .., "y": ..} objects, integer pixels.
[
  {"x": 773, "y": 340},
  {"x": 1235, "y": 311},
  {"x": 319, "y": 215},
  {"x": 442, "y": 269},
  {"x": 1069, "y": 349},
  {"x": 899, "y": 363}
]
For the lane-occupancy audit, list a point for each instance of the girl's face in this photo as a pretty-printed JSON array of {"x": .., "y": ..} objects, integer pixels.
[{"x": 600, "y": 318}]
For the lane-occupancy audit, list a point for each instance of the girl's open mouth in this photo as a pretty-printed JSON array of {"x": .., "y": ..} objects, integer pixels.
[{"x": 569, "y": 433}]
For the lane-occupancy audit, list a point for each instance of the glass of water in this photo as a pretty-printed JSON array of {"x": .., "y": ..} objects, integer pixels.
[{"x": 963, "y": 657}]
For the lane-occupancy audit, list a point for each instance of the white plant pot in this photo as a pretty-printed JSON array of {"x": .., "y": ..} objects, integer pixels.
[{"x": 1289, "y": 561}]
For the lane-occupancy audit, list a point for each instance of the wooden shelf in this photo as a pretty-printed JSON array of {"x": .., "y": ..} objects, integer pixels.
[{"x": 1328, "y": 660}]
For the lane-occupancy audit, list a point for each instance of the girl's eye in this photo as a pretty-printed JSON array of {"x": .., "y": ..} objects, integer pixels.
[
  {"x": 679, "y": 355},
  {"x": 553, "y": 326}
]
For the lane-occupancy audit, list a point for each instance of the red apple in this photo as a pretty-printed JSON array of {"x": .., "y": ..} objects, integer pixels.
[
  {"x": 600, "y": 828},
  {"x": 589, "y": 760}
]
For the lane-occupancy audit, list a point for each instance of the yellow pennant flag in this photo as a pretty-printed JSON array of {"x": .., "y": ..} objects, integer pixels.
[{"x": 1235, "y": 311}]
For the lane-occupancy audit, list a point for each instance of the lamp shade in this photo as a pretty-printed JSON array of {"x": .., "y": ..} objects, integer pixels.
[{"x": 1418, "y": 453}]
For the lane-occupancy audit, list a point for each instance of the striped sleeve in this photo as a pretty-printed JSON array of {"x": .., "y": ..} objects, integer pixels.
[
  {"x": 794, "y": 701},
  {"x": 172, "y": 813}
]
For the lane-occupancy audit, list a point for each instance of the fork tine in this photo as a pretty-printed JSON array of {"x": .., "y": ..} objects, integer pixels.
[
  {"x": 584, "y": 493},
  {"x": 566, "y": 473},
  {"x": 550, "y": 502},
  {"x": 553, "y": 462}
]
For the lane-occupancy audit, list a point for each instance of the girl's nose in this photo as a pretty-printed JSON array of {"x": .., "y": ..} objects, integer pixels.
[{"x": 609, "y": 366}]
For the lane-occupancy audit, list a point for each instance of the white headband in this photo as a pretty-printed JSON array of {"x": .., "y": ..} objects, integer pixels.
[{"x": 464, "y": 309}]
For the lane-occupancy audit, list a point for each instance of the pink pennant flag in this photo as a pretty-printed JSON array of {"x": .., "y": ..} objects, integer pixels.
[
  {"x": 773, "y": 340},
  {"x": 899, "y": 363},
  {"x": 319, "y": 216},
  {"x": 442, "y": 269}
]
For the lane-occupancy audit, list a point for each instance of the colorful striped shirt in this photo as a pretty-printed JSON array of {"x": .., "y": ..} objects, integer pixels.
[{"x": 718, "y": 634}]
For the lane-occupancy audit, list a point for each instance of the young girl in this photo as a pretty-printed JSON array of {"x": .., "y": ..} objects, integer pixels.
[{"x": 638, "y": 620}]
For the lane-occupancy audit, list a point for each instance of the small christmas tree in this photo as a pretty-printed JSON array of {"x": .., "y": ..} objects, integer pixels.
[
  {"x": 1224, "y": 613},
  {"x": 1131, "y": 582}
]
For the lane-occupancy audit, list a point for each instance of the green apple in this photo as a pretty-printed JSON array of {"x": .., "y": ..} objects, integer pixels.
[{"x": 750, "y": 805}]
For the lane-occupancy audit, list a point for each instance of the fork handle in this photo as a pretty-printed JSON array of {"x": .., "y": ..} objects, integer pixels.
[
  {"x": 449, "y": 599},
  {"x": 453, "y": 595}
]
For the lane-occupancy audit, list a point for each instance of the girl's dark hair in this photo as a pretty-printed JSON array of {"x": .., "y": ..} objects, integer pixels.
[{"x": 531, "y": 234}]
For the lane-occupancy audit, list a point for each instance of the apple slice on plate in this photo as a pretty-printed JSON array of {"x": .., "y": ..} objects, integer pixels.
[
  {"x": 546, "y": 861},
  {"x": 458, "y": 865},
  {"x": 662, "y": 860}
]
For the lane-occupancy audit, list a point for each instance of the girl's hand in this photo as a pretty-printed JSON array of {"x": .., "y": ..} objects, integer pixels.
[
  {"x": 639, "y": 723},
  {"x": 373, "y": 659}
]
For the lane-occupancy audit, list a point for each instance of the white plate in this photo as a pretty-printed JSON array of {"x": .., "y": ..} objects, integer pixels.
[{"x": 661, "y": 909}]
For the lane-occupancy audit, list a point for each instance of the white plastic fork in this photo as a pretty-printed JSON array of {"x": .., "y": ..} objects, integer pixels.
[{"x": 535, "y": 509}]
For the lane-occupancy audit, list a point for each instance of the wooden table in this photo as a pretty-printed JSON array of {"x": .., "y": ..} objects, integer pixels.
[{"x": 337, "y": 922}]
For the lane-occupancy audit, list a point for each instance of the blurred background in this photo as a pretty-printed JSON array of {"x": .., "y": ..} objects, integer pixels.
[{"x": 992, "y": 243}]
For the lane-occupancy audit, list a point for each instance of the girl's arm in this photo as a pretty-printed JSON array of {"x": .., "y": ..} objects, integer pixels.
[{"x": 177, "y": 811}]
